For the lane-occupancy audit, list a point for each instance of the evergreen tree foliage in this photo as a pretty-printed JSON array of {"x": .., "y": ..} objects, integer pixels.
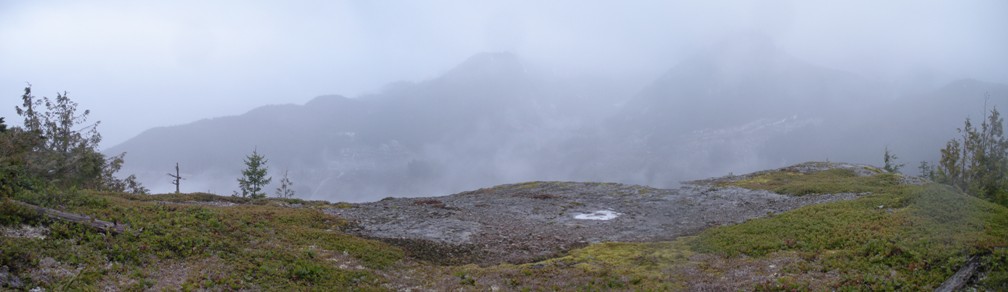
[
  {"x": 66, "y": 152},
  {"x": 890, "y": 161},
  {"x": 57, "y": 146},
  {"x": 14, "y": 148},
  {"x": 977, "y": 162},
  {"x": 926, "y": 170},
  {"x": 254, "y": 176},
  {"x": 285, "y": 191}
]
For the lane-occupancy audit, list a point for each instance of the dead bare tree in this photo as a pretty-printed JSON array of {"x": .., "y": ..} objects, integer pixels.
[{"x": 176, "y": 178}]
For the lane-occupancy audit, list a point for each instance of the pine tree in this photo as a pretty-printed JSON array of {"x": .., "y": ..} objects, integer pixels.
[
  {"x": 890, "y": 161},
  {"x": 254, "y": 176},
  {"x": 57, "y": 145},
  {"x": 926, "y": 170},
  {"x": 990, "y": 159},
  {"x": 62, "y": 154},
  {"x": 949, "y": 170},
  {"x": 978, "y": 163},
  {"x": 285, "y": 191}
]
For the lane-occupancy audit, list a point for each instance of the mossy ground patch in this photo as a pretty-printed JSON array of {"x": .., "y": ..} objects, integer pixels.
[{"x": 895, "y": 236}]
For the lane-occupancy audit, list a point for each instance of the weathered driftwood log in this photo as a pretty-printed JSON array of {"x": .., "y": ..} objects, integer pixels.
[
  {"x": 99, "y": 225},
  {"x": 960, "y": 278}
]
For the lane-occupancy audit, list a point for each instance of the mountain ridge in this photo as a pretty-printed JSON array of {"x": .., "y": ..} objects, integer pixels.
[{"x": 511, "y": 122}]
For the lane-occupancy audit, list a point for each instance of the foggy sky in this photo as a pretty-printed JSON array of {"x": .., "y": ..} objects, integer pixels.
[{"x": 139, "y": 65}]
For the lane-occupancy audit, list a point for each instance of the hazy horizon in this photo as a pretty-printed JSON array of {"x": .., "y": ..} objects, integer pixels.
[{"x": 144, "y": 65}]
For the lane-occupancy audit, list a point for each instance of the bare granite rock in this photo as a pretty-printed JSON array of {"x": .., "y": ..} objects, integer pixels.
[{"x": 526, "y": 222}]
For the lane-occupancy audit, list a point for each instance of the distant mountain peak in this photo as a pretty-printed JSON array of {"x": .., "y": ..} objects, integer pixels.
[
  {"x": 740, "y": 79},
  {"x": 749, "y": 54},
  {"x": 323, "y": 100},
  {"x": 491, "y": 64},
  {"x": 490, "y": 59},
  {"x": 751, "y": 44}
]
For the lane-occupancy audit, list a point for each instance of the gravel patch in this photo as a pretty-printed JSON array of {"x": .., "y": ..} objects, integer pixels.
[{"x": 25, "y": 231}]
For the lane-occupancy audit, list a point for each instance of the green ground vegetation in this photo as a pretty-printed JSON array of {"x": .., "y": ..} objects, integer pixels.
[
  {"x": 830, "y": 181},
  {"x": 899, "y": 236},
  {"x": 894, "y": 237},
  {"x": 261, "y": 244}
]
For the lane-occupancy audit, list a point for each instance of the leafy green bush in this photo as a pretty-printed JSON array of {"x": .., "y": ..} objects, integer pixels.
[
  {"x": 53, "y": 197},
  {"x": 12, "y": 214}
]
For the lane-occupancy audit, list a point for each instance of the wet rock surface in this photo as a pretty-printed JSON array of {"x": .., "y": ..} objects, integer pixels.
[{"x": 521, "y": 223}]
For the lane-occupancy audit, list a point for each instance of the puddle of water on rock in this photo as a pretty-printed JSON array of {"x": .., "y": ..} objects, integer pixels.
[{"x": 597, "y": 215}]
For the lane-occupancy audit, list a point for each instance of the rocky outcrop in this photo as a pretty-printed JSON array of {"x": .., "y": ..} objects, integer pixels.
[{"x": 520, "y": 223}]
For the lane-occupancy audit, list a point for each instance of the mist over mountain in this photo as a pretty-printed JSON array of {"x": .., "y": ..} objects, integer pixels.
[
  {"x": 738, "y": 106},
  {"x": 714, "y": 112},
  {"x": 490, "y": 119}
]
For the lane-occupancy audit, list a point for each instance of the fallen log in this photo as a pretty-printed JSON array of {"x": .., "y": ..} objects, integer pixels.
[
  {"x": 959, "y": 279},
  {"x": 99, "y": 225}
]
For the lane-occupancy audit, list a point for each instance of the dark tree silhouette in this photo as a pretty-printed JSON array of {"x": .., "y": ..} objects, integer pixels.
[
  {"x": 254, "y": 176},
  {"x": 176, "y": 178}
]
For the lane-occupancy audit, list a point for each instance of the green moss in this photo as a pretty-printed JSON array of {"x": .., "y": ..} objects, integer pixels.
[
  {"x": 12, "y": 214},
  {"x": 639, "y": 260},
  {"x": 179, "y": 198},
  {"x": 528, "y": 185},
  {"x": 257, "y": 246},
  {"x": 54, "y": 198},
  {"x": 996, "y": 270},
  {"x": 602, "y": 266},
  {"x": 900, "y": 237},
  {"x": 822, "y": 182}
]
